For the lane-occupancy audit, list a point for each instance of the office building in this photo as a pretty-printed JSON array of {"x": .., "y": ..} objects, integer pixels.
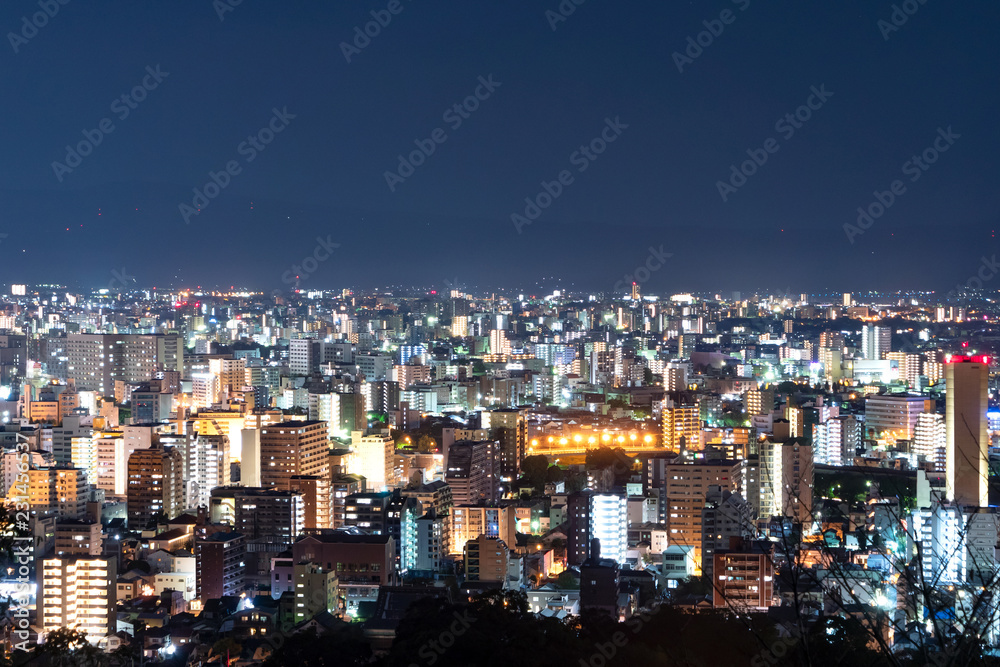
[{"x": 966, "y": 382}]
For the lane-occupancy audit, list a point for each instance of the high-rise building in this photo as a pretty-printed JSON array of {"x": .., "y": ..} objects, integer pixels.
[
  {"x": 968, "y": 442},
  {"x": 470, "y": 521},
  {"x": 510, "y": 428},
  {"x": 316, "y": 591},
  {"x": 760, "y": 401},
  {"x": 744, "y": 576},
  {"x": 75, "y": 537},
  {"x": 471, "y": 472},
  {"x": 894, "y": 414},
  {"x": 62, "y": 490},
  {"x": 206, "y": 466},
  {"x": 875, "y": 341},
  {"x": 609, "y": 525},
  {"x": 96, "y": 361},
  {"x": 726, "y": 515},
  {"x": 78, "y": 592},
  {"x": 266, "y": 515},
  {"x": 786, "y": 479},
  {"x": 930, "y": 440},
  {"x": 372, "y": 457},
  {"x": 486, "y": 560},
  {"x": 293, "y": 448},
  {"x": 155, "y": 484},
  {"x": 220, "y": 566},
  {"x": 683, "y": 488},
  {"x": 681, "y": 427}
]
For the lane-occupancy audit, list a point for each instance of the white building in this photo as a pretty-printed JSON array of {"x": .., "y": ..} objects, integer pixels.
[
  {"x": 609, "y": 524},
  {"x": 372, "y": 457}
]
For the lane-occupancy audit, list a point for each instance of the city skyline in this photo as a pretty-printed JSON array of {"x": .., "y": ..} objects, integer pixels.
[{"x": 721, "y": 160}]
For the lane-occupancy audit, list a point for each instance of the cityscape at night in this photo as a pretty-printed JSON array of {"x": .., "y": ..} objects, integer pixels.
[{"x": 568, "y": 332}]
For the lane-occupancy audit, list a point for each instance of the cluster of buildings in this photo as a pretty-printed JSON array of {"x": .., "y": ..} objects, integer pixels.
[{"x": 197, "y": 465}]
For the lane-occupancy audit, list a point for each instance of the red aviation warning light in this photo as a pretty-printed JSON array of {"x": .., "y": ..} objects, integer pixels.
[{"x": 961, "y": 358}]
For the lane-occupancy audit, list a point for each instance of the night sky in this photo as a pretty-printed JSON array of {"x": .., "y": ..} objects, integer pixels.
[{"x": 655, "y": 185}]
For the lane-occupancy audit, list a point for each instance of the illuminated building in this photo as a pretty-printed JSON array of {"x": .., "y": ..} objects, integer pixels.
[
  {"x": 315, "y": 492},
  {"x": 78, "y": 538},
  {"x": 498, "y": 342},
  {"x": 875, "y": 342},
  {"x": 310, "y": 580},
  {"x": 486, "y": 559},
  {"x": 96, "y": 361},
  {"x": 967, "y": 445},
  {"x": 363, "y": 563},
  {"x": 435, "y": 496},
  {"x": 744, "y": 576},
  {"x": 155, "y": 485},
  {"x": 513, "y": 439},
  {"x": 204, "y": 390},
  {"x": 408, "y": 376},
  {"x": 796, "y": 421},
  {"x": 206, "y": 466},
  {"x": 683, "y": 488},
  {"x": 78, "y": 592},
  {"x": 786, "y": 479},
  {"x": 827, "y": 439},
  {"x": 293, "y": 448},
  {"x": 342, "y": 486},
  {"x": 940, "y": 532},
  {"x": 726, "y": 515},
  {"x": 909, "y": 366},
  {"x": 372, "y": 457},
  {"x": 112, "y": 464},
  {"x": 431, "y": 541},
  {"x": 681, "y": 427},
  {"x": 266, "y": 516},
  {"x": 367, "y": 511},
  {"x": 609, "y": 525},
  {"x": 894, "y": 413},
  {"x": 471, "y": 472},
  {"x": 760, "y": 401},
  {"x": 930, "y": 440},
  {"x": 62, "y": 490},
  {"x": 470, "y": 521},
  {"x": 303, "y": 356},
  {"x": 220, "y": 565}
]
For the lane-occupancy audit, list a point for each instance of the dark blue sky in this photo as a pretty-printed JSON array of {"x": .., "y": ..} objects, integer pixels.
[{"x": 655, "y": 185}]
